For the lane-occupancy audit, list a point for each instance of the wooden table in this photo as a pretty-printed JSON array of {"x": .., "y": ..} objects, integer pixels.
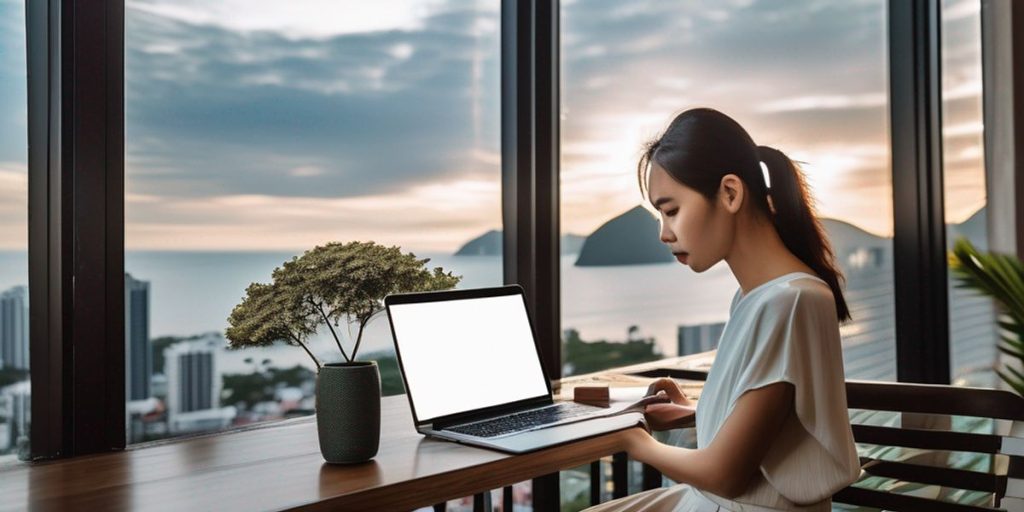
[{"x": 279, "y": 467}]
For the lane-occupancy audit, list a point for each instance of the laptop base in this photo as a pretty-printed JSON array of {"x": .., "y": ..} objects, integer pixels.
[{"x": 534, "y": 440}]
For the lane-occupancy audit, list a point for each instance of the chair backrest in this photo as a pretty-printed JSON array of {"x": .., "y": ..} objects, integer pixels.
[{"x": 936, "y": 447}]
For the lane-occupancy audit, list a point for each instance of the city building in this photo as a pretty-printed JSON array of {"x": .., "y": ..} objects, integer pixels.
[
  {"x": 137, "y": 350},
  {"x": 699, "y": 338},
  {"x": 194, "y": 385},
  {"x": 15, "y": 417},
  {"x": 14, "y": 328}
]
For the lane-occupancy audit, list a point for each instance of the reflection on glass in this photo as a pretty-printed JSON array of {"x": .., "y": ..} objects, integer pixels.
[
  {"x": 15, "y": 391},
  {"x": 809, "y": 81},
  {"x": 972, "y": 319},
  {"x": 254, "y": 133}
]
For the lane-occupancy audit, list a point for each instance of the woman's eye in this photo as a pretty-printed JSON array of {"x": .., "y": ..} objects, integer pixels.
[{"x": 672, "y": 212}]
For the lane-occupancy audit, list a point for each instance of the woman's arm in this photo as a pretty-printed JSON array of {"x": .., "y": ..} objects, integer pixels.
[{"x": 726, "y": 466}]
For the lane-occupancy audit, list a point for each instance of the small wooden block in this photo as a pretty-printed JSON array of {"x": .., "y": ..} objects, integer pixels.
[{"x": 591, "y": 395}]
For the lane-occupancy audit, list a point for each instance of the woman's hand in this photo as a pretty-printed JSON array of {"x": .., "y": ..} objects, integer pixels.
[
  {"x": 669, "y": 416},
  {"x": 671, "y": 388}
]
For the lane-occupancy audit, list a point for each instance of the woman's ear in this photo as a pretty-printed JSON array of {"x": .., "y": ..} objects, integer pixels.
[{"x": 731, "y": 192}]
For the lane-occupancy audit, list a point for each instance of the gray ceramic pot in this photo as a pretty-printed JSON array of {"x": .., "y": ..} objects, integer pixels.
[{"x": 348, "y": 411}]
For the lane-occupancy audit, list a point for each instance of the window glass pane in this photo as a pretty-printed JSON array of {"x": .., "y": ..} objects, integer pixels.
[
  {"x": 256, "y": 132},
  {"x": 973, "y": 332},
  {"x": 14, "y": 361},
  {"x": 809, "y": 78}
]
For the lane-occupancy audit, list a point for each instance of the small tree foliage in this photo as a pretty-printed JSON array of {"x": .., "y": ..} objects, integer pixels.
[{"x": 331, "y": 284}]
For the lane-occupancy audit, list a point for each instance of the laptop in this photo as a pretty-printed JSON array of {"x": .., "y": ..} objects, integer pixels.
[{"x": 473, "y": 374}]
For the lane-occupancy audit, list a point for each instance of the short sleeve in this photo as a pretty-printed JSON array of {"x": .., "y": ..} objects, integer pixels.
[{"x": 796, "y": 340}]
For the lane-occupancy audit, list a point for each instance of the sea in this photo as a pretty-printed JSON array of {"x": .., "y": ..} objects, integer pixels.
[{"x": 193, "y": 292}]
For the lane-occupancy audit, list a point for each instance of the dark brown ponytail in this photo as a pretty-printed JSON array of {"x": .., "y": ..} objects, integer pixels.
[
  {"x": 702, "y": 145},
  {"x": 797, "y": 223}
]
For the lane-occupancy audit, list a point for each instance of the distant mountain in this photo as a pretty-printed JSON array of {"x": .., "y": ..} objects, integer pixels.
[
  {"x": 846, "y": 237},
  {"x": 487, "y": 244},
  {"x": 975, "y": 229},
  {"x": 855, "y": 249},
  {"x": 632, "y": 239},
  {"x": 490, "y": 244},
  {"x": 572, "y": 244},
  {"x": 628, "y": 239}
]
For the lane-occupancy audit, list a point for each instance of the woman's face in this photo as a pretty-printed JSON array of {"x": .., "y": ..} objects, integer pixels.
[{"x": 698, "y": 231}]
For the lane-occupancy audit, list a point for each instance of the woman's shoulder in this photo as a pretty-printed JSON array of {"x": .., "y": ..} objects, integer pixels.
[
  {"x": 799, "y": 287},
  {"x": 804, "y": 292}
]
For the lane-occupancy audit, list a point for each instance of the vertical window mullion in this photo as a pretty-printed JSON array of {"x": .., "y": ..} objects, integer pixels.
[
  {"x": 922, "y": 303},
  {"x": 529, "y": 141},
  {"x": 76, "y": 226}
]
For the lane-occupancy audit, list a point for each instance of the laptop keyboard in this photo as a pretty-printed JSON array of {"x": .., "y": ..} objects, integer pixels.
[{"x": 525, "y": 420}]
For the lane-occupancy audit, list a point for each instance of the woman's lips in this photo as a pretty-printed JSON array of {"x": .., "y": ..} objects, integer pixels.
[{"x": 682, "y": 256}]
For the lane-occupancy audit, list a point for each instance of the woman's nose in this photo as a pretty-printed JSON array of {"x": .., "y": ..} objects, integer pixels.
[{"x": 666, "y": 234}]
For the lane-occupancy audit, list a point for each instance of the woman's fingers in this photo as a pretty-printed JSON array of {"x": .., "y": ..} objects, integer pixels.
[{"x": 671, "y": 388}]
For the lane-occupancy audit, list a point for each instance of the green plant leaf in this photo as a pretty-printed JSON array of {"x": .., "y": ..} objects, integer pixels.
[
  {"x": 1000, "y": 277},
  {"x": 1011, "y": 351},
  {"x": 1017, "y": 383}
]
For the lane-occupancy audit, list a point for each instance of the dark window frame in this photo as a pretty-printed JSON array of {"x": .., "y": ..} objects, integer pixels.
[
  {"x": 530, "y": 169},
  {"x": 919, "y": 240},
  {"x": 76, "y": 226}
]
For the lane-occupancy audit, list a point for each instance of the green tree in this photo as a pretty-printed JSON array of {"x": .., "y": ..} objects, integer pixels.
[
  {"x": 593, "y": 356},
  {"x": 9, "y": 376},
  {"x": 329, "y": 284},
  {"x": 243, "y": 390}
]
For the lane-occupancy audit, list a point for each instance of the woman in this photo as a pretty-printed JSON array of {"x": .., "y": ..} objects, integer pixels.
[{"x": 773, "y": 431}]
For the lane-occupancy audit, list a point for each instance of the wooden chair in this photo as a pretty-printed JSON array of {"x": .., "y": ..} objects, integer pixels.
[{"x": 936, "y": 448}]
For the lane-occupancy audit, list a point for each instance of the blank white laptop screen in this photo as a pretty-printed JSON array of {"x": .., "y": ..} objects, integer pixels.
[{"x": 466, "y": 354}]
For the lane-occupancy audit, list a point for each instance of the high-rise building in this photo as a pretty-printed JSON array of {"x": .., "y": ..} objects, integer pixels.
[
  {"x": 194, "y": 385},
  {"x": 137, "y": 349},
  {"x": 14, "y": 328},
  {"x": 15, "y": 415},
  {"x": 699, "y": 338}
]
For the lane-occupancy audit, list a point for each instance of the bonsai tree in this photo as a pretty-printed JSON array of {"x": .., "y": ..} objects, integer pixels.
[
  {"x": 329, "y": 284},
  {"x": 1001, "y": 277},
  {"x": 266, "y": 315}
]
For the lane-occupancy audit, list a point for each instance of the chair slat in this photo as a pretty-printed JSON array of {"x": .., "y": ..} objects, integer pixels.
[
  {"x": 891, "y": 501},
  {"x": 927, "y": 439},
  {"x": 932, "y": 475},
  {"x": 934, "y": 399}
]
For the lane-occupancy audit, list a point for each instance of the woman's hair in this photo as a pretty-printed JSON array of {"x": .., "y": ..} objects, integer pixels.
[{"x": 702, "y": 145}]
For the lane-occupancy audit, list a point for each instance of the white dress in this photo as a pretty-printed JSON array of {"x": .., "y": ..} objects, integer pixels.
[{"x": 784, "y": 330}]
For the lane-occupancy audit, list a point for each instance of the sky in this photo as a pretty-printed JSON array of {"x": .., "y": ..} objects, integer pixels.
[{"x": 297, "y": 123}]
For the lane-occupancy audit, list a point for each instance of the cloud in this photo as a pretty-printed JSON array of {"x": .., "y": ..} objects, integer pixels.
[
  {"x": 213, "y": 111},
  {"x": 13, "y": 206},
  {"x": 824, "y": 102},
  {"x": 305, "y": 19},
  {"x": 807, "y": 77},
  {"x": 279, "y": 125},
  {"x": 13, "y": 83},
  {"x": 428, "y": 217}
]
